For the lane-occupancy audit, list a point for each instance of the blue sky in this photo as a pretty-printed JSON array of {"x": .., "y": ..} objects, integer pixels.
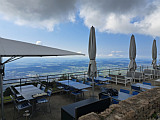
[{"x": 69, "y": 27}]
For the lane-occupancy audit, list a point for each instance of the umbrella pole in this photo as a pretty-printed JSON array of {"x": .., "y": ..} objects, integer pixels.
[
  {"x": 92, "y": 86},
  {"x": 1, "y": 88}
]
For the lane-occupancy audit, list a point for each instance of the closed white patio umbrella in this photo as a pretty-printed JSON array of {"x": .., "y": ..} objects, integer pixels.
[
  {"x": 132, "y": 56},
  {"x": 154, "y": 55},
  {"x": 92, "y": 69},
  {"x": 16, "y": 49}
]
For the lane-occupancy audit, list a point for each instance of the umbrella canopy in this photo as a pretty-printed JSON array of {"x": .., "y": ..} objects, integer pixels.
[
  {"x": 154, "y": 55},
  {"x": 92, "y": 69},
  {"x": 132, "y": 54},
  {"x": 13, "y": 49}
]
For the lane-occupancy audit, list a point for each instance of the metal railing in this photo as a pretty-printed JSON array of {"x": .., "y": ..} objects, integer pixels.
[{"x": 81, "y": 74}]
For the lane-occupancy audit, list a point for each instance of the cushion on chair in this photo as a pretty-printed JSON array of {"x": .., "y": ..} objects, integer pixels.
[
  {"x": 23, "y": 105},
  {"x": 43, "y": 100},
  {"x": 145, "y": 83},
  {"x": 124, "y": 91},
  {"x": 115, "y": 101},
  {"x": 135, "y": 93}
]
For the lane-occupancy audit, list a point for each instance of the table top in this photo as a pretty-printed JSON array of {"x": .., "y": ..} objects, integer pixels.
[
  {"x": 67, "y": 82},
  {"x": 122, "y": 96},
  {"x": 144, "y": 86},
  {"x": 28, "y": 91},
  {"x": 74, "y": 84},
  {"x": 70, "y": 109},
  {"x": 102, "y": 79}
]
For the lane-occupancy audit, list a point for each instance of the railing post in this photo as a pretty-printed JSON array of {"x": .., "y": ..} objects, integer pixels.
[
  {"x": 98, "y": 73},
  {"x": 142, "y": 68},
  {"x": 47, "y": 79},
  {"x": 68, "y": 76},
  {"x": 63, "y": 76},
  {"x": 109, "y": 71},
  {"x": 20, "y": 81}
]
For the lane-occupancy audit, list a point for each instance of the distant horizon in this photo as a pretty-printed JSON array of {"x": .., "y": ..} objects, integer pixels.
[{"x": 38, "y": 59}]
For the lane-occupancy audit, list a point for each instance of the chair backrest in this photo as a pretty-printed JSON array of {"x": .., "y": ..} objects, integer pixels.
[
  {"x": 89, "y": 79},
  {"x": 120, "y": 77},
  {"x": 101, "y": 76},
  {"x": 49, "y": 92},
  {"x": 13, "y": 92},
  {"x": 43, "y": 88},
  {"x": 38, "y": 85},
  {"x": 96, "y": 81},
  {"x": 112, "y": 76},
  {"x": 71, "y": 89},
  {"x": 13, "y": 99},
  {"x": 138, "y": 74},
  {"x": 87, "y": 83},
  {"x": 115, "y": 101},
  {"x": 145, "y": 83},
  {"x": 109, "y": 78},
  {"x": 135, "y": 87},
  {"x": 129, "y": 74},
  {"x": 103, "y": 95},
  {"x": 80, "y": 81},
  {"x": 124, "y": 91},
  {"x": 97, "y": 107},
  {"x": 135, "y": 93},
  {"x": 148, "y": 71},
  {"x": 135, "y": 74},
  {"x": 74, "y": 80}
]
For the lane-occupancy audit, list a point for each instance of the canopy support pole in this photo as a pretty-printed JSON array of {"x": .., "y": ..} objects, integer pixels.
[
  {"x": 92, "y": 86},
  {"x": 1, "y": 88}
]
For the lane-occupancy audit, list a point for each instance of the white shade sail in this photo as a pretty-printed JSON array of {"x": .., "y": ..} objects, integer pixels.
[
  {"x": 10, "y": 48},
  {"x": 13, "y": 49}
]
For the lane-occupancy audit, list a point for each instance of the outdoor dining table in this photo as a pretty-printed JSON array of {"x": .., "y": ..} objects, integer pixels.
[
  {"x": 102, "y": 79},
  {"x": 28, "y": 91},
  {"x": 143, "y": 86},
  {"x": 122, "y": 96},
  {"x": 74, "y": 84}
]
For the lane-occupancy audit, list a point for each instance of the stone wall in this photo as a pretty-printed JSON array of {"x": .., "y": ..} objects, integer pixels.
[{"x": 138, "y": 107}]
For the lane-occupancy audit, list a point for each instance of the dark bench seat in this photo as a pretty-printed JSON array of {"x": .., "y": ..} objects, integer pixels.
[{"x": 75, "y": 110}]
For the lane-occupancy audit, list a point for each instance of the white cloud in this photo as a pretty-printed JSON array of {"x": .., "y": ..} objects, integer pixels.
[
  {"x": 110, "y": 55},
  {"x": 116, "y": 54},
  {"x": 122, "y": 16},
  {"x": 38, "y": 42},
  {"x": 38, "y": 13},
  {"x": 116, "y": 51},
  {"x": 111, "y": 16},
  {"x": 79, "y": 52}
]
